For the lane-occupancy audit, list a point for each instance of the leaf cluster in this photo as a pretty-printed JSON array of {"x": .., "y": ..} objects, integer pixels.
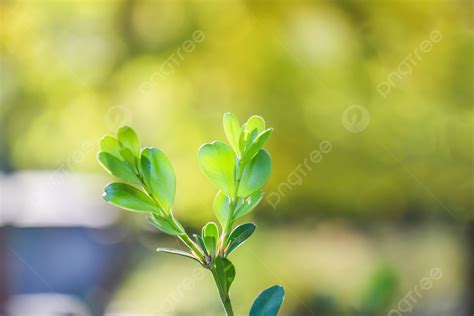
[{"x": 238, "y": 171}]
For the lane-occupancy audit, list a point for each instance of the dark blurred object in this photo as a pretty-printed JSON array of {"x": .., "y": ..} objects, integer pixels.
[
  {"x": 68, "y": 265},
  {"x": 80, "y": 262},
  {"x": 61, "y": 250},
  {"x": 470, "y": 278}
]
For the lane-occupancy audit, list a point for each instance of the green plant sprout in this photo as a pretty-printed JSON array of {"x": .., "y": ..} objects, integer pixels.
[{"x": 238, "y": 171}]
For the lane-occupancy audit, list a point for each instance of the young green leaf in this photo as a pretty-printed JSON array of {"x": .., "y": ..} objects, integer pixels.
[
  {"x": 200, "y": 243},
  {"x": 246, "y": 139},
  {"x": 248, "y": 204},
  {"x": 256, "y": 145},
  {"x": 128, "y": 197},
  {"x": 268, "y": 302},
  {"x": 225, "y": 273},
  {"x": 159, "y": 176},
  {"x": 239, "y": 235},
  {"x": 178, "y": 252},
  {"x": 110, "y": 145},
  {"x": 217, "y": 161},
  {"x": 222, "y": 208},
  {"x": 128, "y": 157},
  {"x": 117, "y": 167},
  {"x": 255, "y": 122},
  {"x": 210, "y": 235},
  {"x": 128, "y": 139},
  {"x": 256, "y": 173},
  {"x": 232, "y": 130},
  {"x": 166, "y": 224}
]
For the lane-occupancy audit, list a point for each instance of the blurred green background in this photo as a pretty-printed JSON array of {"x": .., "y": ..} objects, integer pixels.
[{"x": 359, "y": 229}]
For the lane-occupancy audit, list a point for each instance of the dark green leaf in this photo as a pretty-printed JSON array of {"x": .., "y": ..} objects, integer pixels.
[
  {"x": 225, "y": 273},
  {"x": 248, "y": 204},
  {"x": 217, "y": 161},
  {"x": 178, "y": 252},
  {"x": 158, "y": 174},
  {"x": 200, "y": 243},
  {"x": 268, "y": 302},
  {"x": 256, "y": 173},
  {"x": 222, "y": 208},
  {"x": 239, "y": 235},
  {"x": 128, "y": 197},
  {"x": 128, "y": 139},
  {"x": 117, "y": 167}
]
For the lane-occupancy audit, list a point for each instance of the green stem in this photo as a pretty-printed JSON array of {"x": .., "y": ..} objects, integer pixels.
[
  {"x": 224, "y": 296},
  {"x": 228, "y": 228},
  {"x": 184, "y": 236}
]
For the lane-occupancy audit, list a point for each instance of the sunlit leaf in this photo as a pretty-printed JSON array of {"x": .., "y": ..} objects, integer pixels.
[
  {"x": 178, "y": 252},
  {"x": 256, "y": 145},
  {"x": 232, "y": 130},
  {"x": 239, "y": 235},
  {"x": 110, "y": 145},
  {"x": 246, "y": 139},
  {"x": 128, "y": 139},
  {"x": 256, "y": 173},
  {"x": 217, "y": 161},
  {"x": 166, "y": 224},
  {"x": 159, "y": 176},
  {"x": 255, "y": 122},
  {"x": 210, "y": 236},
  {"x": 268, "y": 302},
  {"x": 248, "y": 204},
  {"x": 128, "y": 157},
  {"x": 128, "y": 197},
  {"x": 117, "y": 167},
  {"x": 222, "y": 208}
]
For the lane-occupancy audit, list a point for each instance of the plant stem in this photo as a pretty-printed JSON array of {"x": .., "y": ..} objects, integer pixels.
[
  {"x": 228, "y": 228},
  {"x": 224, "y": 296}
]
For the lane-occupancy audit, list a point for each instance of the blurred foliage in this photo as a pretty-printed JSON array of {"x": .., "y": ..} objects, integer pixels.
[
  {"x": 331, "y": 270},
  {"x": 74, "y": 70}
]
